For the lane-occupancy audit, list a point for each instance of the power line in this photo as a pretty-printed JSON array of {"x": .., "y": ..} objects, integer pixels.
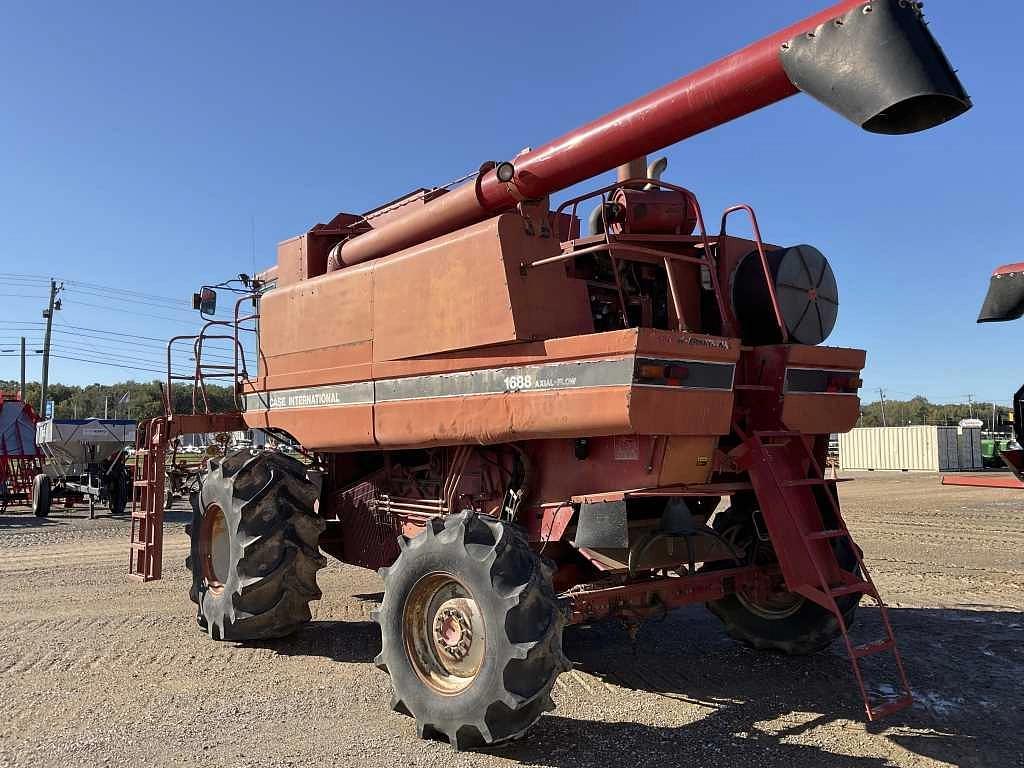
[
  {"x": 113, "y": 365},
  {"x": 125, "y": 291},
  {"x": 154, "y": 346},
  {"x": 122, "y": 350},
  {"x": 222, "y": 353},
  {"x": 136, "y": 313},
  {"x": 129, "y": 358},
  {"x": 115, "y": 333},
  {"x": 105, "y": 289},
  {"x": 170, "y": 304}
]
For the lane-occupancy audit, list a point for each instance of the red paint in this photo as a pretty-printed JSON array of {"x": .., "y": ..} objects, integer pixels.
[
  {"x": 1007, "y": 269},
  {"x": 1001, "y": 480}
]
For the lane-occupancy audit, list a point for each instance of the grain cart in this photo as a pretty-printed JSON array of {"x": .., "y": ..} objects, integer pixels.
[
  {"x": 523, "y": 425},
  {"x": 85, "y": 461}
]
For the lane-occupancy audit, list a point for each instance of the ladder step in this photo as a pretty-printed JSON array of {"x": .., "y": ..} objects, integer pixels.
[
  {"x": 800, "y": 483},
  {"x": 877, "y": 713},
  {"x": 140, "y": 546},
  {"x": 870, "y": 649},
  {"x": 831, "y": 534},
  {"x": 778, "y": 433},
  {"x": 142, "y": 483},
  {"x": 850, "y": 589}
]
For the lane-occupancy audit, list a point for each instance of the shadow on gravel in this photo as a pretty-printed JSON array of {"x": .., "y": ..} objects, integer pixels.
[
  {"x": 964, "y": 667},
  {"x": 27, "y": 520},
  {"x": 351, "y": 641},
  {"x": 561, "y": 741}
]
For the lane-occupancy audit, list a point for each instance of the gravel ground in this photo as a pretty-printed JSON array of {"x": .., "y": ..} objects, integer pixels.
[{"x": 98, "y": 670}]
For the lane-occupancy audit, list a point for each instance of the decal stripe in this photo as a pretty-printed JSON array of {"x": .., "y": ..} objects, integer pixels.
[
  {"x": 581, "y": 374},
  {"x": 358, "y": 393}
]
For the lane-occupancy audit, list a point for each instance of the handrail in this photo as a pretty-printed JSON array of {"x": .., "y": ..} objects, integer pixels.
[
  {"x": 611, "y": 246},
  {"x": 764, "y": 261},
  {"x": 201, "y": 371}
]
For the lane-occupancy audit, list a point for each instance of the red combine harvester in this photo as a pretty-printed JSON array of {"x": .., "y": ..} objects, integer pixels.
[
  {"x": 1003, "y": 302},
  {"x": 523, "y": 426},
  {"x": 20, "y": 457}
]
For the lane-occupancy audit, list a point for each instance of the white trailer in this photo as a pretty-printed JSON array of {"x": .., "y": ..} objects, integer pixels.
[{"x": 911, "y": 449}]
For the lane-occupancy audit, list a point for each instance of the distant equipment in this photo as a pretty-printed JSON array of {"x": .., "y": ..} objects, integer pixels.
[
  {"x": 20, "y": 457},
  {"x": 86, "y": 460}
]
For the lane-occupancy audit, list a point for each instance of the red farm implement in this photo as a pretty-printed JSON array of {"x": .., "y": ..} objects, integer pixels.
[
  {"x": 521, "y": 424},
  {"x": 20, "y": 458}
]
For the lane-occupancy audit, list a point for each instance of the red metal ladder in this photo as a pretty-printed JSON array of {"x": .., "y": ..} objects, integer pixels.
[
  {"x": 146, "y": 554},
  {"x": 784, "y": 473}
]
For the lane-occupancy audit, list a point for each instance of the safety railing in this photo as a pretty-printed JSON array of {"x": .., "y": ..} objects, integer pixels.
[
  {"x": 618, "y": 246},
  {"x": 765, "y": 268},
  {"x": 237, "y": 372}
]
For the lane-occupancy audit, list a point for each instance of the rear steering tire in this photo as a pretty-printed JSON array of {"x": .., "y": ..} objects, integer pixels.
[
  {"x": 41, "y": 495},
  {"x": 120, "y": 490},
  {"x": 471, "y": 631},
  {"x": 255, "y": 552},
  {"x": 786, "y": 622}
]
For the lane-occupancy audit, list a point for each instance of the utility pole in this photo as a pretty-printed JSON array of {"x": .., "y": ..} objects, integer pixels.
[
  {"x": 881, "y": 395},
  {"x": 22, "y": 369},
  {"x": 48, "y": 316},
  {"x": 970, "y": 403}
]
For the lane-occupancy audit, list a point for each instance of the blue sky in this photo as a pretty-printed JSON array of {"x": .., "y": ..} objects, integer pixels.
[{"x": 140, "y": 142}]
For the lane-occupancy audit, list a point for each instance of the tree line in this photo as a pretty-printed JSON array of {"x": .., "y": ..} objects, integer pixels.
[
  {"x": 918, "y": 410},
  {"x": 144, "y": 400}
]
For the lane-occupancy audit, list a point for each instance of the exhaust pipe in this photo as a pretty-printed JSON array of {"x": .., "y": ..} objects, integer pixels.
[{"x": 879, "y": 67}]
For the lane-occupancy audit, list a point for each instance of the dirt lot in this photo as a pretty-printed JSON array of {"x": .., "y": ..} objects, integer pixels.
[{"x": 97, "y": 670}]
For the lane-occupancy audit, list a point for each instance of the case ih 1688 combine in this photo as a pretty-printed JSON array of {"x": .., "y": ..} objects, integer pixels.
[{"x": 524, "y": 425}]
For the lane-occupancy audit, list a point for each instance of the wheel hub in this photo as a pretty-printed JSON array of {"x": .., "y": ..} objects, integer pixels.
[
  {"x": 453, "y": 630},
  {"x": 444, "y": 633},
  {"x": 214, "y": 548}
]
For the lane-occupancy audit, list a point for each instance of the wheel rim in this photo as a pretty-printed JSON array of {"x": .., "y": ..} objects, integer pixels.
[
  {"x": 215, "y": 548},
  {"x": 444, "y": 633},
  {"x": 775, "y": 605}
]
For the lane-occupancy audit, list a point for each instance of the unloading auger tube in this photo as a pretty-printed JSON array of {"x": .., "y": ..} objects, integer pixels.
[{"x": 876, "y": 63}]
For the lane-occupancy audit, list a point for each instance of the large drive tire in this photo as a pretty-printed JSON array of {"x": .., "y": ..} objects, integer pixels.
[
  {"x": 789, "y": 623},
  {"x": 41, "y": 496},
  {"x": 471, "y": 631},
  {"x": 255, "y": 549}
]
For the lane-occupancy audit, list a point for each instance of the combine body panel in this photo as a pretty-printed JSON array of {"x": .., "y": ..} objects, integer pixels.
[{"x": 522, "y": 423}]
